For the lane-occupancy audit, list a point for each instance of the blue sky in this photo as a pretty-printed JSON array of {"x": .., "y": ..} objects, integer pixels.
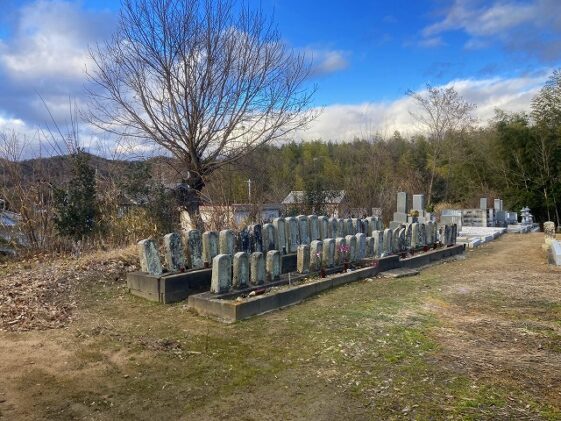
[{"x": 367, "y": 54}]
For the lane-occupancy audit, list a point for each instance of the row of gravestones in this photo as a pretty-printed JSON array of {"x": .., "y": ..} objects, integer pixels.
[
  {"x": 254, "y": 269},
  {"x": 194, "y": 250},
  {"x": 201, "y": 249}
]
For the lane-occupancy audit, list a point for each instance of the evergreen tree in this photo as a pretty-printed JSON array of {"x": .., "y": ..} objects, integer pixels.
[{"x": 76, "y": 206}]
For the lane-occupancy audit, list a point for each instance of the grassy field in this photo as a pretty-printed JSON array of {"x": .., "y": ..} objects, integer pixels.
[{"x": 476, "y": 338}]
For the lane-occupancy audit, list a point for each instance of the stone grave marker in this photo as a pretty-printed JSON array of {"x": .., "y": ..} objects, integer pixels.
[
  {"x": 149, "y": 257},
  {"x": 282, "y": 243},
  {"x": 313, "y": 228},
  {"x": 303, "y": 258},
  {"x": 328, "y": 252},
  {"x": 174, "y": 255},
  {"x": 273, "y": 265},
  {"x": 292, "y": 234},
  {"x": 210, "y": 246},
  {"x": 194, "y": 244},
  {"x": 240, "y": 276},
  {"x": 227, "y": 242},
  {"x": 316, "y": 254},
  {"x": 257, "y": 268},
  {"x": 221, "y": 280}
]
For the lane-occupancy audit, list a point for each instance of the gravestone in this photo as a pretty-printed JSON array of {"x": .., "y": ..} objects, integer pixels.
[
  {"x": 269, "y": 237},
  {"x": 366, "y": 227},
  {"x": 256, "y": 238},
  {"x": 240, "y": 276},
  {"x": 303, "y": 258},
  {"x": 414, "y": 235},
  {"x": 351, "y": 242},
  {"x": 149, "y": 257},
  {"x": 408, "y": 235},
  {"x": 422, "y": 235},
  {"x": 210, "y": 246},
  {"x": 357, "y": 225},
  {"x": 292, "y": 234},
  {"x": 280, "y": 229},
  {"x": 419, "y": 203},
  {"x": 378, "y": 242},
  {"x": 227, "y": 241},
  {"x": 303, "y": 229},
  {"x": 323, "y": 223},
  {"x": 349, "y": 227},
  {"x": 395, "y": 240},
  {"x": 549, "y": 230},
  {"x": 194, "y": 244},
  {"x": 332, "y": 228},
  {"x": 328, "y": 257},
  {"x": 273, "y": 265},
  {"x": 245, "y": 241},
  {"x": 340, "y": 228},
  {"x": 402, "y": 209},
  {"x": 174, "y": 256},
  {"x": 429, "y": 234},
  {"x": 316, "y": 255},
  {"x": 387, "y": 243},
  {"x": 402, "y": 242},
  {"x": 256, "y": 268},
  {"x": 360, "y": 246},
  {"x": 221, "y": 280},
  {"x": 341, "y": 250},
  {"x": 483, "y": 203},
  {"x": 369, "y": 247},
  {"x": 313, "y": 228}
]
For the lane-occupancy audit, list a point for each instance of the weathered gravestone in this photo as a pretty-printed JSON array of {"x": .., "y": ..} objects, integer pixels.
[
  {"x": 269, "y": 237},
  {"x": 245, "y": 241},
  {"x": 273, "y": 265},
  {"x": 332, "y": 228},
  {"x": 328, "y": 257},
  {"x": 149, "y": 257},
  {"x": 303, "y": 229},
  {"x": 316, "y": 255},
  {"x": 402, "y": 240},
  {"x": 282, "y": 244},
  {"x": 257, "y": 268},
  {"x": 221, "y": 280},
  {"x": 292, "y": 234},
  {"x": 341, "y": 250},
  {"x": 256, "y": 238},
  {"x": 313, "y": 227},
  {"x": 360, "y": 246},
  {"x": 174, "y": 256},
  {"x": 369, "y": 247},
  {"x": 240, "y": 276},
  {"x": 351, "y": 242},
  {"x": 227, "y": 242},
  {"x": 194, "y": 245},
  {"x": 387, "y": 249},
  {"x": 378, "y": 242},
  {"x": 210, "y": 246},
  {"x": 323, "y": 223},
  {"x": 395, "y": 240},
  {"x": 414, "y": 235},
  {"x": 303, "y": 258}
]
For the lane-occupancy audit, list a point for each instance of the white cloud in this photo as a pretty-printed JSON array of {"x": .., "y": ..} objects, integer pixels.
[
  {"x": 529, "y": 27},
  {"x": 344, "y": 122},
  {"x": 326, "y": 61}
]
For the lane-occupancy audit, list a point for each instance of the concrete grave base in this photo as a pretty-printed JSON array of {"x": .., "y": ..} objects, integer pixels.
[
  {"x": 225, "y": 307},
  {"x": 172, "y": 287}
]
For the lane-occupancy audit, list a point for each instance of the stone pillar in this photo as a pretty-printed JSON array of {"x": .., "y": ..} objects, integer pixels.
[
  {"x": 221, "y": 280},
  {"x": 328, "y": 257},
  {"x": 340, "y": 253},
  {"x": 313, "y": 228},
  {"x": 402, "y": 202},
  {"x": 292, "y": 234},
  {"x": 323, "y": 223},
  {"x": 194, "y": 245},
  {"x": 360, "y": 246},
  {"x": 414, "y": 235},
  {"x": 273, "y": 265},
  {"x": 395, "y": 239},
  {"x": 483, "y": 203},
  {"x": 453, "y": 233},
  {"x": 349, "y": 227},
  {"x": 340, "y": 228},
  {"x": 422, "y": 235},
  {"x": 387, "y": 241},
  {"x": 245, "y": 241},
  {"x": 210, "y": 246},
  {"x": 316, "y": 255},
  {"x": 435, "y": 232},
  {"x": 369, "y": 247},
  {"x": 357, "y": 225},
  {"x": 498, "y": 205},
  {"x": 269, "y": 238},
  {"x": 351, "y": 242},
  {"x": 332, "y": 228},
  {"x": 174, "y": 256},
  {"x": 402, "y": 241},
  {"x": 257, "y": 268},
  {"x": 149, "y": 257},
  {"x": 419, "y": 203},
  {"x": 408, "y": 236},
  {"x": 378, "y": 242},
  {"x": 430, "y": 234},
  {"x": 303, "y": 229},
  {"x": 240, "y": 277},
  {"x": 227, "y": 242},
  {"x": 303, "y": 258},
  {"x": 256, "y": 238},
  {"x": 282, "y": 244}
]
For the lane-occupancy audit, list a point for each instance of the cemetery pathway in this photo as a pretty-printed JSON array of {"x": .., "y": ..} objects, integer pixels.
[{"x": 474, "y": 338}]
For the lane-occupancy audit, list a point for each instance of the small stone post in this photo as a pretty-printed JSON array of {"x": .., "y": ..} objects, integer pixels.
[
  {"x": 303, "y": 259},
  {"x": 328, "y": 257},
  {"x": 340, "y": 243},
  {"x": 257, "y": 268},
  {"x": 273, "y": 265},
  {"x": 221, "y": 280},
  {"x": 240, "y": 276},
  {"x": 227, "y": 242},
  {"x": 351, "y": 242},
  {"x": 316, "y": 255}
]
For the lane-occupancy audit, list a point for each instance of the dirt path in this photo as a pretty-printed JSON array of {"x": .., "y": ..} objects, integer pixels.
[{"x": 477, "y": 338}]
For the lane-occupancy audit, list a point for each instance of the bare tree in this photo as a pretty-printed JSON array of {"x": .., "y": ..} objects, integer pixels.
[
  {"x": 442, "y": 113},
  {"x": 209, "y": 80}
]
